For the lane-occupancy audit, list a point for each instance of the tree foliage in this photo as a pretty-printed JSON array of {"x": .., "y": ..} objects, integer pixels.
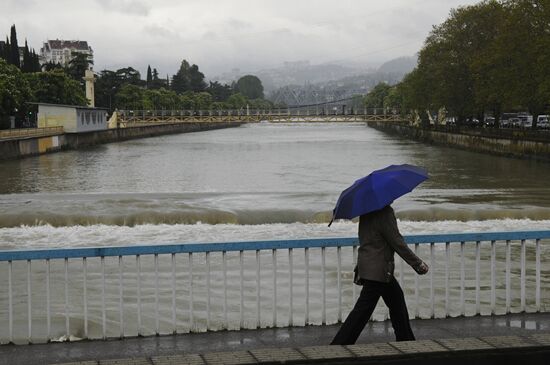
[
  {"x": 55, "y": 87},
  {"x": 250, "y": 86},
  {"x": 489, "y": 57},
  {"x": 14, "y": 92}
]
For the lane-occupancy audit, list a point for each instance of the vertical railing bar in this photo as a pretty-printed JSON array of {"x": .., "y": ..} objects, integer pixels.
[
  {"x": 537, "y": 274},
  {"x": 120, "y": 296},
  {"x": 103, "y": 314},
  {"x": 274, "y": 262},
  {"x": 478, "y": 259},
  {"x": 447, "y": 276},
  {"x": 462, "y": 279},
  {"x": 508, "y": 283},
  {"x": 208, "y": 290},
  {"x": 10, "y": 301},
  {"x": 48, "y": 306},
  {"x": 138, "y": 273},
  {"x": 306, "y": 278},
  {"x": 85, "y": 294},
  {"x": 522, "y": 277},
  {"x": 354, "y": 290},
  {"x": 191, "y": 319},
  {"x": 241, "y": 290},
  {"x": 224, "y": 266},
  {"x": 324, "y": 286},
  {"x": 493, "y": 277},
  {"x": 432, "y": 267},
  {"x": 174, "y": 321},
  {"x": 29, "y": 303},
  {"x": 66, "y": 261},
  {"x": 156, "y": 264},
  {"x": 339, "y": 281},
  {"x": 416, "y": 289},
  {"x": 290, "y": 287},
  {"x": 258, "y": 288}
]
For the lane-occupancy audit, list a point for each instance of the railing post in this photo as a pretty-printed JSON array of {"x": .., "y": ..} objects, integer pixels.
[
  {"x": 478, "y": 259},
  {"x": 10, "y": 301},
  {"x": 462, "y": 279},
  {"x": 29, "y": 303},
  {"x": 447, "y": 275},
  {"x": 522, "y": 276},
  {"x": 493, "y": 277},
  {"x": 537, "y": 275},
  {"x": 508, "y": 264}
]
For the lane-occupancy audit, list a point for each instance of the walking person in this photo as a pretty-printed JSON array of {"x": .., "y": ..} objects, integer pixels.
[
  {"x": 379, "y": 238},
  {"x": 370, "y": 198}
]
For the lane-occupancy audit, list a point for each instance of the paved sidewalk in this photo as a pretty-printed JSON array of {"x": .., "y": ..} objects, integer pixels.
[{"x": 248, "y": 346}]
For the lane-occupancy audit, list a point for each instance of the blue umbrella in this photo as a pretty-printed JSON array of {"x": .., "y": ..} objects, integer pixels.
[{"x": 376, "y": 190}]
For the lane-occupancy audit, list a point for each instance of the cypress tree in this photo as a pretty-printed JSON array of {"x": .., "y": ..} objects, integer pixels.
[
  {"x": 14, "y": 48},
  {"x": 27, "y": 63},
  {"x": 149, "y": 76},
  {"x": 35, "y": 62},
  {"x": 7, "y": 51}
]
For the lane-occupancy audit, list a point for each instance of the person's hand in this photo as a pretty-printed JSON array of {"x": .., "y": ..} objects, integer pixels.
[{"x": 422, "y": 269}]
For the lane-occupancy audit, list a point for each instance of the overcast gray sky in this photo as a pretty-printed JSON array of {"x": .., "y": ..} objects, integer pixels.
[{"x": 219, "y": 35}]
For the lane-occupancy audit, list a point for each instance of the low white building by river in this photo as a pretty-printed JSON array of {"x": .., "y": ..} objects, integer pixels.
[{"x": 73, "y": 119}]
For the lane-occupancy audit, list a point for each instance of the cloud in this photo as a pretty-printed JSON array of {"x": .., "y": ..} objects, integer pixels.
[
  {"x": 219, "y": 35},
  {"x": 130, "y": 7}
]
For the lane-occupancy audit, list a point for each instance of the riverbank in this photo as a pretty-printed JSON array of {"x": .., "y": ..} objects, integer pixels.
[
  {"x": 525, "y": 144},
  {"x": 31, "y": 146}
]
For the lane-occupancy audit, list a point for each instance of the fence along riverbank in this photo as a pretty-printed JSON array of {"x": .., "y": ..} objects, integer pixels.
[
  {"x": 526, "y": 144},
  {"x": 109, "y": 292}
]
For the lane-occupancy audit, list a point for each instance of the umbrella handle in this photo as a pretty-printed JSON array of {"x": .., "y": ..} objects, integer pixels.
[{"x": 332, "y": 220}]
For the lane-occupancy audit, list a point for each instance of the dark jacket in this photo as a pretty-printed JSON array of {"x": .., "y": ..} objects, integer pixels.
[{"x": 379, "y": 238}]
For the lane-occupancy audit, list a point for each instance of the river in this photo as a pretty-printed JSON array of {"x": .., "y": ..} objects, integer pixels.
[{"x": 257, "y": 181}]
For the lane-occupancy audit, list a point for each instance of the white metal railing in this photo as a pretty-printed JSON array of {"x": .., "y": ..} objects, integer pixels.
[{"x": 160, "y": 289}]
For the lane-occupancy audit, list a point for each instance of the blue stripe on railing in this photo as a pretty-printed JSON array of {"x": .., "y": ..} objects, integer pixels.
[{"x": 61, "y": 253}]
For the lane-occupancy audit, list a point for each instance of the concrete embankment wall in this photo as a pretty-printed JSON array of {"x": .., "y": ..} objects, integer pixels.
[
  {"x": 31, "y": 146},
  {"x": 526, "y": 144}
]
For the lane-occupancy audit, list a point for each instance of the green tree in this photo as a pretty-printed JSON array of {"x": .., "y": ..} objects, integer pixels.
[
  {"x": 161, "y": 99},
  {"x": 129, "y": 75},
  {"x": 130, "y": 97},
  {"x": 30, "y": 60},
  {"x": 181, "y": 81},
  {"x": 218, "y": 91},
  {"x": 250, "y": 86},
  {"x": 375, "y": 98},
  {"x": 237, "y": 101},
  {"x": 14, "y": 93},
  {"x": 203, "y": 100},
  {"x": 77, "y": 66},
  {"x": 196, "y": 79},
  {"x": 149, "y": 78},
  {"x": 55, "y": 87},
  {"x": 14, "y": 48}
]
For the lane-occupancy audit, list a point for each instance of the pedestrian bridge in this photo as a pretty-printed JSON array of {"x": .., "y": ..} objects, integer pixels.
[
  {"x": 118, "y": 292},
  {"x": 126, "y": 118}
]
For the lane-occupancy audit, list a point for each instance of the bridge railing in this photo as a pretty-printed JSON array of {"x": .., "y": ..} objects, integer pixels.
[
  {"x": 106, "y": 292},
  {"x": 293, "y": 111},
  {"x": 30, "y": 132}
]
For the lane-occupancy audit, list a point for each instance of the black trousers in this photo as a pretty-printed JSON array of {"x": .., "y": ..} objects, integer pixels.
[{"x": 393, "y": 296}]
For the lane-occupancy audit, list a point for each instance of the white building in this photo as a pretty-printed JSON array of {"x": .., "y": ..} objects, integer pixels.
[
  {"x": 62, "y": 52},
  {"x": 73, "y": 119}
]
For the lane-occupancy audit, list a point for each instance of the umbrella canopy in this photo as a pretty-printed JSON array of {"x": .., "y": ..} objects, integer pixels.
[{"x": 378, "y": 189}]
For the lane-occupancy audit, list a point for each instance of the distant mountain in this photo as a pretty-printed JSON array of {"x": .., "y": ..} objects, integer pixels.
[
  {"x": 311, "y": 84},
  {"x": 302, "y": 72},
  {"x": 401, "y": 65}
]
